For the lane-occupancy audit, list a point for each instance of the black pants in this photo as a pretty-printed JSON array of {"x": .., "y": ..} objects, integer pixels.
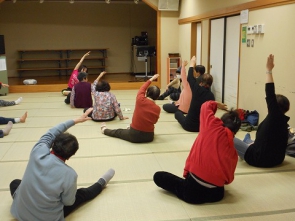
[
  {"x": 82, "y": 195},
  {"x": 171, "y": 108},
  {"x": 188, "y": 189},
  {"x": 185, "y": 123},
  {"x": 131, "y": 135},
  {"x": 173, "y": 92},
  {"x": 4, "y": 120}
]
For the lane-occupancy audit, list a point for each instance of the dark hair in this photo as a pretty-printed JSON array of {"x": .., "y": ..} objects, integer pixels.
[
  {"x": 283, "y": 103},
  {"x": 82, "y": 76},
  {"x": 153, "y": 92},
  {"x": 206, "y": 80},
  {"x": 200, "y": 69},
  {"x": 103, "y": 86},
  {"x": 231, "y": 120},
  {"x": 65, "y": 145},
  {"x": 83, "y": 67}
]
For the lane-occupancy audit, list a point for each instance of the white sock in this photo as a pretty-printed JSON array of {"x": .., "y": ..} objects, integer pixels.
[
  {"x": 7, "y": 129},
  {"x": 105, "y": 178},
  {"x": 18, "y": 100},
  {"x": 17, "y": 120}
]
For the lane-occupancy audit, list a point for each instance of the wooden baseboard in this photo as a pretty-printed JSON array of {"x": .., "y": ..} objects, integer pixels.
[{"x": 59, "y": 87}]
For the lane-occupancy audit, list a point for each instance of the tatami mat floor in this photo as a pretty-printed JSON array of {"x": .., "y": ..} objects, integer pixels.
[{"x": 256, "y": 194}]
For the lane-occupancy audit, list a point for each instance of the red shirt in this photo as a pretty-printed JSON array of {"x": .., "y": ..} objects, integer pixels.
[
  {"x": 213, "y": 157},
  {"x": 146, "y": 112}
]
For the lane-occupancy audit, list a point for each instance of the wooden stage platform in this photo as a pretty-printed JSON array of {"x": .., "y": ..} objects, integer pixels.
[{"x": 119, "y": 81}]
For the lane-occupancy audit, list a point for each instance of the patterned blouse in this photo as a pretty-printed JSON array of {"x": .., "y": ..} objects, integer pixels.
[{"x": 105, "y": 105}]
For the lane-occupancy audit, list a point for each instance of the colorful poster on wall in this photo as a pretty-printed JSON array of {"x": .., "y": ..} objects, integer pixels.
[{"x": 244, "y": 34}]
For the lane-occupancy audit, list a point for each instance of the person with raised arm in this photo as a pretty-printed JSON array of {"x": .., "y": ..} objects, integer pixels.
[
  {"x": 106, "y": 106},
  {"x": 269, "y": 147},
  {"x": 74, "y": 76},
  {"x": 48, "y": 189},
  {"x": 211, "y": 162},
  {"x": 145, "y": 116},
  {"x": 200, "y": 94}
]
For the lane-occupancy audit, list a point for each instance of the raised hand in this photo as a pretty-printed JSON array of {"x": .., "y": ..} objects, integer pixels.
[
  {"x": 270, "y": 62},
  {"x": 84, "y": 117},
  {"x": 154, "y": 77}
]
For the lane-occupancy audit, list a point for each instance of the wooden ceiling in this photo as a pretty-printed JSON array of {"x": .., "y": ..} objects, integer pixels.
[{"x": 80, "y": 1}]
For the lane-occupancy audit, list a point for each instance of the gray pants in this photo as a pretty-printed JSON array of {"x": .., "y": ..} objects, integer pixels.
[
  {"x": 6, "y": 103},
  {"x": 241, "y": 147},
  {"x": 131, "y": 135}
]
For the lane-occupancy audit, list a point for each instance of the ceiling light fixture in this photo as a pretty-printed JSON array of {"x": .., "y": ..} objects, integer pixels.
[
  {"x": 136, "y": 1},
  {"x": 41, "y": 1},
  {"x": 108, "y": 1},
  {"x": 72, "y": 1},
  {"x": 14, "y": 1}
]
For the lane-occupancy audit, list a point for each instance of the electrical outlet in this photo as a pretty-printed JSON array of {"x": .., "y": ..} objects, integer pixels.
[{"x": 249, "y": 30}]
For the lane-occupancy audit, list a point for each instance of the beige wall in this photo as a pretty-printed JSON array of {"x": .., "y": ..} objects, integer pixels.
[
  {"x": 168, "y": 41},
  {"x": 53, "y": 25},
  {"x": 191, "y": 8},
  {"x": 278, "y": 40}
]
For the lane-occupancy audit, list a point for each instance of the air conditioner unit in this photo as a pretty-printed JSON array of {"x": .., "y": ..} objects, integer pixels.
[{"x": 168, "y": 5}]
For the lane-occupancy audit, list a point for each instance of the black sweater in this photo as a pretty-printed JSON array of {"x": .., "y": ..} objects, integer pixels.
[
  {"x": 199, "y": 96},
  {"x": 268, "y": 149}
]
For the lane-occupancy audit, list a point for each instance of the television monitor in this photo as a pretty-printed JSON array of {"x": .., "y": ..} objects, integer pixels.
[{"x": 2, "y": 46}]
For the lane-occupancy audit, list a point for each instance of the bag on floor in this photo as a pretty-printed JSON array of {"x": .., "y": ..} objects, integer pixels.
[
  {"x": 290, "y": 151},
  {"x": 252, "y": 117}
]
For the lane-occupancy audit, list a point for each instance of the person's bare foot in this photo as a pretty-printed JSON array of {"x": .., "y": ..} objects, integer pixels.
[
  {"x": 103, "y": 127},
  {"x": 24, "y": 117}
]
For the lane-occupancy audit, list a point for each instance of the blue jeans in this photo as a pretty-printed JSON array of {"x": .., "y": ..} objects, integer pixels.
[{"x": 241, "y": 147}]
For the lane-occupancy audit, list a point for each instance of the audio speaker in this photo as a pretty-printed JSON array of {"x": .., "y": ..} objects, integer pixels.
[
  {"x": 2, "y": 45},
  {"x": 168, "y": 5}
]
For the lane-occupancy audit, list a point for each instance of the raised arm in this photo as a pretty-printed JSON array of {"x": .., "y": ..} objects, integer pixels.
[
  {"x": 82, "y": 59},
  {"x": 183, "y": 71},
  {"x": 50, "y": 136},
  {"x": 141, "y": 92},
  {"x": 269, "y": 66},
  {"x": 190, "y": 77},
  {"x": 101, "y": 75}
]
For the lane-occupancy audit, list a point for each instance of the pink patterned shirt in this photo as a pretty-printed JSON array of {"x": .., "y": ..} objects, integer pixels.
[{"x": 105, "y": 105}]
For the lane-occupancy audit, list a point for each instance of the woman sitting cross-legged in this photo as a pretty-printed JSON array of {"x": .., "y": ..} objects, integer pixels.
[{"x": 211, "y": 162}]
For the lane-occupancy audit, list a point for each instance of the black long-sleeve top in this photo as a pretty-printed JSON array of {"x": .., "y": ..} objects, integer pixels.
[
  {"x": 268, "y": 149},
  {"x": 199, "y": 96}
]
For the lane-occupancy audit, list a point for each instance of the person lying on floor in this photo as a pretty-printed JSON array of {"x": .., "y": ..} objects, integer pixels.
[
  {"x": 211, "y": 162},
  {"x": 269, "y": 147},
  {"x": 145, "y": 116},
  {"x": 48, "y": 189}
]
